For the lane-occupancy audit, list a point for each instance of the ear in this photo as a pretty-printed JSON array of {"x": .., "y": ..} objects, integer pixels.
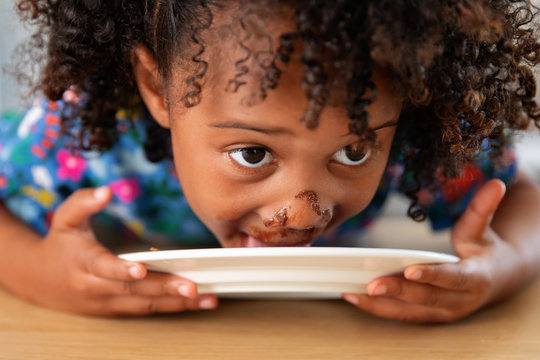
[{"x": 150, "y": 84}]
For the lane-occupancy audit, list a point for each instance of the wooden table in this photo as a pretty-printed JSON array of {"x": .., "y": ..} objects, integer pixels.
[{"x": 271, "y": 329}]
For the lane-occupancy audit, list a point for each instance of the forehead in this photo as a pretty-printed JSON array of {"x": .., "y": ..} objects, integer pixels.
[
  {"x": 238, "y": 50},
  {"x": 241, "y": 47}
]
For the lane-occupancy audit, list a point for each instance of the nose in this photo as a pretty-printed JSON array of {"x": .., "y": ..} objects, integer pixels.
[{"x": 303, "y": 212}]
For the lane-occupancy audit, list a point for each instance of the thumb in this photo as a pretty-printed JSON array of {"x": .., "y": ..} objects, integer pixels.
[
  {"x": 473, "y": 223},
  {"x": 79, "y": 206}
]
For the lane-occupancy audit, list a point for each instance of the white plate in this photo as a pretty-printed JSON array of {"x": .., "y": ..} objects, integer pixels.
[{"x": 305, "y": 272}]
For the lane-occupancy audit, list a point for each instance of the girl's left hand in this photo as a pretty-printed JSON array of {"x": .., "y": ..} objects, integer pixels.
[{"x": 447, "y": 292}]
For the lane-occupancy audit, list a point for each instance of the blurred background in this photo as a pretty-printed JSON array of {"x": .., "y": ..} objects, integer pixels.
[
  {"x": 11, "y": 34},
  {"x": 383, "y": 235}
]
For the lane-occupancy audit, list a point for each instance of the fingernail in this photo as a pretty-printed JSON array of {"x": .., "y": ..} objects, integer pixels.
[
  {"x": 135, "y": 272},
  {"x": 206, "y": 304},
  {"x": 185, "y": 290},
  {"x": 414, "y": 275},
  {"x": 101, "y": 193},
  {"x": 353, "y": 299},
  {"x": 379, "y": 290}
]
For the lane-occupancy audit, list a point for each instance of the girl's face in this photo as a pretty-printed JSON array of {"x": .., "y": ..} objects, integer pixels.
[{"x": 254, "y": 174}]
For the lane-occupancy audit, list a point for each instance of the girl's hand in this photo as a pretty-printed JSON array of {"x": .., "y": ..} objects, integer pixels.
[
  {"x": 70, "y": 270},
  {"x": 447, "y": 292}
]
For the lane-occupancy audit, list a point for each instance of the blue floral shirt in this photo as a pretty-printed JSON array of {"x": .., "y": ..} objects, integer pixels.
[{"x": 38, "y": 172}]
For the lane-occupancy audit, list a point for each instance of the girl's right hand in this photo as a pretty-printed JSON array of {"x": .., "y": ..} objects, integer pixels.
[{"x": 71, "y": 271}]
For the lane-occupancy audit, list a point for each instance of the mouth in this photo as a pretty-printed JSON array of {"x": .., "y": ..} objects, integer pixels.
[{"x": 285, "y": 237}]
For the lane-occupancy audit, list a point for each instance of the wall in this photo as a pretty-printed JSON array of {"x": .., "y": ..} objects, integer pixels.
[{"x": 11, "y": 34}]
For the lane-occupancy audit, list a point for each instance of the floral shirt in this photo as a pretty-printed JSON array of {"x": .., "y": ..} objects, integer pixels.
[{"x": 38, "y": 172}]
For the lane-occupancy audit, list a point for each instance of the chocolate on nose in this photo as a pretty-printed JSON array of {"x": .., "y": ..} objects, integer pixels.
[
  {"x": 278, "y": 220},
  {"x": 281, "y": 217},
  {"x": 313, "y": 199}
]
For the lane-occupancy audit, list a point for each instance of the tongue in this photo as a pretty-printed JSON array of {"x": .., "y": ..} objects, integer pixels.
[{"x": 249, "y": 241}]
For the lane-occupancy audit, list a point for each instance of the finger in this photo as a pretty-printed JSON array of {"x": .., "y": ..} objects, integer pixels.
[
  {"x": 146, "y": 305},
  {"x": 416, "y": 293},
  {"x": 155, "y": 284},
  {"x": 390, "y": 308},
  {"x": 477, "y": 216},
  {"x": 462, "y": 276},
  {"x": 79, "y": 206},
  {"x": 101, "y": 263}
]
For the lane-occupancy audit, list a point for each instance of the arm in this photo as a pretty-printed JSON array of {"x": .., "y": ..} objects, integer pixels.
[
  {"x": 70, "y": 270},
  {"x": 498, "y": 241},
  {"x": 14, "y": 253}
]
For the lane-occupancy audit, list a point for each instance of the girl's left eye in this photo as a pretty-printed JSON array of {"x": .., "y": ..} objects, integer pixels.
[
  {"x": 352, "y": 155},
  {"x": 251, "y": 156}
]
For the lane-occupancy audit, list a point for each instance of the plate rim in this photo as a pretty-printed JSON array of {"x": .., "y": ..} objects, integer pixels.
[{"x": 208, "y": 253}]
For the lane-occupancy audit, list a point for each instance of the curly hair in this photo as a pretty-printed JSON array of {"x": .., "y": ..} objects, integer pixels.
[{"x": 464, "y": 67}]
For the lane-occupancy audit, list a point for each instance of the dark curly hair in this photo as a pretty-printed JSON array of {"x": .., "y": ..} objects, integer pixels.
[{"x": 464, "y": 67}]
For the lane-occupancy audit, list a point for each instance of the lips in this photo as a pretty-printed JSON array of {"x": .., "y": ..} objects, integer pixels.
[{"x": 286, "y": 237}]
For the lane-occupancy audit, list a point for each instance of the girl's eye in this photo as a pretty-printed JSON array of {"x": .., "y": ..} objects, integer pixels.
[
  {"x": 352, "y": 155},
  {"x": 251, "y": 156}
]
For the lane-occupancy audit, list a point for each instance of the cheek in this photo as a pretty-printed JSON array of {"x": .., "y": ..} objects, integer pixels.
[
  {"x": 359, "y": 195},
  {"x": 211, "y": 196}
]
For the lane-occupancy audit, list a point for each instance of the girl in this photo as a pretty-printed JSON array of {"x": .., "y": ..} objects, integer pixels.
[{"x": 285, "y": 122}]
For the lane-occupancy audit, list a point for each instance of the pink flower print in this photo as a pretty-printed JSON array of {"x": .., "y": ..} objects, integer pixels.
[
  {"x": 71, "y": 166},
  {"x": 38, "y": 151},
  {"x": 395, "y": 170},
  {"x": 425, "y": 198},
  {"x": 51, "y": 119},
  {"x": 53, "y": 106},
  {"x": 122, "y": 128},
  {"x": 71, "y": 95},
  {"x": 172, "y": 171},
  {"x": 126, "y": 189}
]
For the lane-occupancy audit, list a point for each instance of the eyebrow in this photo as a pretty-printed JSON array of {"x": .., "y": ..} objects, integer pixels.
[
  {"x": 243, "y": 126},
  {"x": 277, "y": 130},
  {"x": 384, "y": 125}
]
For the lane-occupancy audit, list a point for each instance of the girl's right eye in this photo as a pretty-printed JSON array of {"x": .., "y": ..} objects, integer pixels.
[{"x": 252, "y": 157}]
